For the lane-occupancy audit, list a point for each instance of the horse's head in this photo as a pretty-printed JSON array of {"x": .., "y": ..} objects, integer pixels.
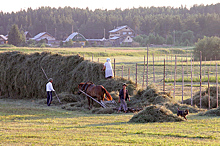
[
  {"x": 80, "y": 87},
  {"x": 109, "y": 97}
]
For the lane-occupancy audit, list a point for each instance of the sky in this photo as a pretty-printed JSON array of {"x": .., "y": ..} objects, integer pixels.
[{"x": 17, "y": 5}]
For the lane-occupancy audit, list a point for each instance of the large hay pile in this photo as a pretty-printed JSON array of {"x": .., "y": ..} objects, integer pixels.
[
  {"x": 152, "y": 96},
  {"x": 204, "y": 98},
  {"x": 21, "y": 75},
  {"x": 155, "y": 113}
]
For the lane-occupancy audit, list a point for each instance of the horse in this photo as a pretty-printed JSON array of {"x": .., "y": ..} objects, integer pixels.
[{"x": 95, "y": 91}]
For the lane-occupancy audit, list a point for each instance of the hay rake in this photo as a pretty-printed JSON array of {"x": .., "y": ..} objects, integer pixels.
[{"x": 101, "y": 103}]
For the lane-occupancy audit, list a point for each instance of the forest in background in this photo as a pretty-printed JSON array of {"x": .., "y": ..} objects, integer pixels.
[{"x": 164, "y": 21}]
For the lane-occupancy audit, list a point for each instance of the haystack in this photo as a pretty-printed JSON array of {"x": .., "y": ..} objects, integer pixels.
[
  {"x": 155, "y": 113},
  {"x": 204, "y": 98},
  {"x": 21, "y": 75},
  {"x": 212, "y": 112}
]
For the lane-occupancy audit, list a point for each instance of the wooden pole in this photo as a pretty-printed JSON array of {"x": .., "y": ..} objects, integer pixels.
[
  {"x": 174, "y": 78},
  {"x": 191, "y": 82},
  {"x": 129, "y": 73},
  {"x": 164, "y": 76},
  {"x": 208, "y": 91},
  {"x": 98, "y": 59},
  {"x": 200, "y": 95},
  {"x": 216, "y": 85},
  {"x": 143, "y": 73},
  {"x": 136, "y": 75},
  {"x": 182, "y": 82},
  {"x": 153, "y": 70},
  {"x": 114, "y": 67},
  {"x": 147, "y": 66}
]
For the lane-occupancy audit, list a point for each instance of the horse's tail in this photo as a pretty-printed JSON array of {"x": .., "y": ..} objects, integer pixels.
[{"x": 107, "y": 93}]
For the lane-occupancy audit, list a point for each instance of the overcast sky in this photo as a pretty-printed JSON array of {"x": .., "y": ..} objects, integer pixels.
[{"x": 17, "y": 5}]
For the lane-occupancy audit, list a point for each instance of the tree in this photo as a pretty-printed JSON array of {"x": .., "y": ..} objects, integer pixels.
[
  {"x": 15, "y": 37},
  {"x": 209, "y": 46}
]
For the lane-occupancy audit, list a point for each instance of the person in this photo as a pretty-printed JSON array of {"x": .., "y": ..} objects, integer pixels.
[
  {"x": 108, "y": 69},
  {"x": 49, "y": 89},
  {"x": 123, "y": 95}
]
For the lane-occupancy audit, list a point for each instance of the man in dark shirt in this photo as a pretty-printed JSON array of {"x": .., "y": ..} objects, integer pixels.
[{"x": 123, "y": 95}]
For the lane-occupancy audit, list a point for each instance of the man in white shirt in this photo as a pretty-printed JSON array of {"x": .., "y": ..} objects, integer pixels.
[{"x": 49, "y": 89}]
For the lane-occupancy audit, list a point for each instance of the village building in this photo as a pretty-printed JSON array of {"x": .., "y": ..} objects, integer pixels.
[
  {"x": 49, "y": 39},
  {"x": 77, "y": 39},
  {"x": 27, "y": 35},
  {"x": 122, "y": 35},
  {"x": 3, "y": 40}
]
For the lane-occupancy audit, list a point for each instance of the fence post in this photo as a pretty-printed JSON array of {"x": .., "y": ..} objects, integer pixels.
[
  {"x": 153, "y": 69},
  {"x": 136, "y": 75},
  {"x": 143, "y": 73},
  {"x": 216, "y": 85},
  {"x": 174, "y": 78},
  {"x": 114, "y": 67},
  {"x": 208, "y": 91},
  {"x": 191, "y": 81},
  {"x": 200, "y": 95},
  {"x": 164, "y": 76},
  {"x": 182, "y": 82},
  {"x": 147, "y": 66}
]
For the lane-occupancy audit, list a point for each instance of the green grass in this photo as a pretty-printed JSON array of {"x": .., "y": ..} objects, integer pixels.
[{"x": 27, "y": 123}]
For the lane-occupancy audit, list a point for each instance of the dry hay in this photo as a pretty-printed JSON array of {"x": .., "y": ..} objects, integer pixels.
[
  {"x": 21, "y": 75},
  {"x": 155, "y": 113},
  {"x": 204, "y": 98},
  {"x": 212, "y": 112}
]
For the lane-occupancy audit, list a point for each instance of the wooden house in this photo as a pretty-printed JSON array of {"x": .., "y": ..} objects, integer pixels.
[
  {"x": 44, "y": 36},
  {"x": 77, "y": 38},
  {"x": 3, "y": 39},
  {"x": 121, "y": 35}
]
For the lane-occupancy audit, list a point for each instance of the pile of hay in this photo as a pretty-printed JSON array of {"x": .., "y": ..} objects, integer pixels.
[
  {"x": 212, "y": 112},
  {"x": 152, "y": 96},
  {"x": 204, "y": 98},
  {"x": 155, "y": 113},
  {"x": 21, "y": 75}
]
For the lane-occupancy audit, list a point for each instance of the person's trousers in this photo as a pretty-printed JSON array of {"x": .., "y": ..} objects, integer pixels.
[
  {"x": 49, "y": 97},
  {"x": 123, "y": 104}
]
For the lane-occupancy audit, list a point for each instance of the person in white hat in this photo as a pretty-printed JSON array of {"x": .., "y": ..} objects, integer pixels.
[
  {"x": 108, "y": 69},
  {"x": 49, "y": 89}
]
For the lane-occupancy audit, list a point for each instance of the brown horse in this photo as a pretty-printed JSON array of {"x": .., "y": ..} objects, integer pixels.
[{"x": 96, "y": 91}]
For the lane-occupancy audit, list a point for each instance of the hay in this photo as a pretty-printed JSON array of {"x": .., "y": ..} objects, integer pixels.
[
  {"x": 204, "y": 99},
  {"x": 212, "y": 112},
  {"x": 21, "y": 75},
  {"x": 155, "y": 113}
]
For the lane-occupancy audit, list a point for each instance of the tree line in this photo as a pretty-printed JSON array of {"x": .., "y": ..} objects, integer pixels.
[{"x": 161, "y": 22}]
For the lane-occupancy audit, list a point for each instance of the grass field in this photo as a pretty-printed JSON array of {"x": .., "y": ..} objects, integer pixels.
[{"x": 25, "y": 122}]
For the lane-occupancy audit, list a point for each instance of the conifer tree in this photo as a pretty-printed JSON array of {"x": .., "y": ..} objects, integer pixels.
[{"x": 15, "y": 37}]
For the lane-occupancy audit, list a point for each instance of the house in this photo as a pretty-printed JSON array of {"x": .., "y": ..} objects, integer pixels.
[
  {"x": 77, "y": 38},
  {"x": 3, "y": 39},
  {"x": 27, "y": 35},
  {"x": 44, "y": 36},
  {"x": 121, "y": 35}
]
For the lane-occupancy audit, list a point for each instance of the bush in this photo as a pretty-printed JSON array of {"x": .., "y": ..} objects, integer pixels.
[{"x": 210, "y": 48}]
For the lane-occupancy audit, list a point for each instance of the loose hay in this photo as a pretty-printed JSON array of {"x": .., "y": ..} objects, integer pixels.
[
  {"x": 155, "y": 113},
  {"x": 204, "y": 99},
  {"x": 212, "y": 112}
]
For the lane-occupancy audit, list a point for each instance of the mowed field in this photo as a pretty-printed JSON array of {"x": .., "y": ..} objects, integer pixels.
[{"x": 26, "y": 122}]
